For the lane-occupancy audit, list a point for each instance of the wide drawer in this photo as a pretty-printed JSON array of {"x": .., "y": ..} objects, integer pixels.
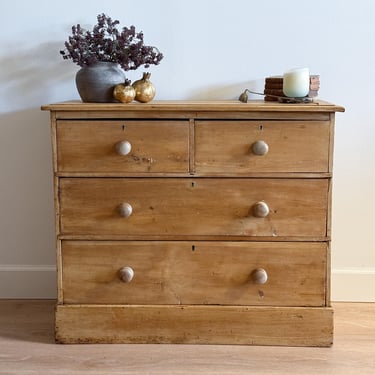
[
  {"x": 188, "y": 207},
  {"x": 122, "y": 146},
  {"x": 228, "y": 273},
  {"x": 261, "y": 146}
]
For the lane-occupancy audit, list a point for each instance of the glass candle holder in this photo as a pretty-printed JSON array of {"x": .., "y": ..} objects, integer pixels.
[{"x": 296, "y": 83}]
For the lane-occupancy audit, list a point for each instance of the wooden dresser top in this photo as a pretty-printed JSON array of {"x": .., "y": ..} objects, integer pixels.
[{"x": 200, "y": 106}]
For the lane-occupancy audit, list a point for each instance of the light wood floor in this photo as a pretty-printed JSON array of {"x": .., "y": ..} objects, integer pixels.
[{"x": 27, "y": 347}]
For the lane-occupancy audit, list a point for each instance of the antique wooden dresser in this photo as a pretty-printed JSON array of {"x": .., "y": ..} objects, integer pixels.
[{"x": 193, "y": 222}]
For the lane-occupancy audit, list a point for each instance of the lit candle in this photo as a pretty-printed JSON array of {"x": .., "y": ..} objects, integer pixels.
[{"x": 296, "y": 82}]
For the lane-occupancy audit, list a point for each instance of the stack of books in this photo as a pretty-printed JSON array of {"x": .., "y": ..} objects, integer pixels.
[{"x": 274, "y": 86}]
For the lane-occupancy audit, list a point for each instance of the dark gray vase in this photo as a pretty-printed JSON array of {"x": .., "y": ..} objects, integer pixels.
[{"x": 95, "y": 83}]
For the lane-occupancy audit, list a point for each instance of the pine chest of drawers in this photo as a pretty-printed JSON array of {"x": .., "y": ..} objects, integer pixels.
[{"x": 193, "y": 222}]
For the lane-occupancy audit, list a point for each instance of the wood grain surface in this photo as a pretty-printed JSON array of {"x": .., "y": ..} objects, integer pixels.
[
  {"x": 294, "y": 146},
  {"x": 193, "y": 207},
  {"x": 194, "y": 273},
  {"x": 159, "y": 146}
]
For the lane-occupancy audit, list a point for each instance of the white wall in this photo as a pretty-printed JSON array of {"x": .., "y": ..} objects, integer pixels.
[{"x": 213, "y": 50}]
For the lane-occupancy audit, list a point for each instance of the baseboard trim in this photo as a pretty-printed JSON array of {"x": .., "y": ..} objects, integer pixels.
[
  {"x": 27, "y": 267},
  {"x": 27, "y": 281},
  {"x": 353, "y": 284}
]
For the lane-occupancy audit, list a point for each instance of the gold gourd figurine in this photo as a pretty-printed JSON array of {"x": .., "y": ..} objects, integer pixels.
[
  {"x": 144, "y": 89},
  {"x": 124, "y": 93}
]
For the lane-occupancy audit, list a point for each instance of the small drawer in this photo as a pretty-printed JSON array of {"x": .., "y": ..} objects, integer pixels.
[
  {"x": 182, "y": 207},
  {"x": 225, "y": 273},
  {"x": 100, "y": 146},
  {"x": 239, "y": 147}
]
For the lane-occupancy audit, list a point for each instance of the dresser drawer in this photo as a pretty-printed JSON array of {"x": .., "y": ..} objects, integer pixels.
[
  {"x": 261, "y": 146},
  {"x": 195, "y": 273},
  {"x": 122, "y": 146},
  {"x": 193, "y": 207}
]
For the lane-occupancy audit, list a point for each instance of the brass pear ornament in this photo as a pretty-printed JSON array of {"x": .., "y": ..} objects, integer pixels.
[
  {"x": 144, "y": 89},
  {"x": 124, "y": 93}
]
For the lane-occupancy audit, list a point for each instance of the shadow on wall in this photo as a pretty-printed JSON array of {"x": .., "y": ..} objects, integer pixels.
[
  {"x": 229, "y": 92},
  {"x": 27, "y": 228},
  {"x": 31, "y": 77}
]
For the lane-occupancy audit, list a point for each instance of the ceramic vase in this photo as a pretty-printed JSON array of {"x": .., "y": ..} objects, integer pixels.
[{"x": 95, "y": 83}]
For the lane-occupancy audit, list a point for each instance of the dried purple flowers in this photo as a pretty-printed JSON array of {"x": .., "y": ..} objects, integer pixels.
[{"x": 106, "y": 43}]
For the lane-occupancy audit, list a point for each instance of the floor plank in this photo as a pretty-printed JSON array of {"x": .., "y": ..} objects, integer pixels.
[{"x": 27, "y": 347}]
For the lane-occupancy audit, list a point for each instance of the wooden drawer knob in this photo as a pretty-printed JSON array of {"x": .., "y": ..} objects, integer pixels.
[
  {"x": 123, "y": 148},
  {"x": 125, "y": 210},
  {"x": 259, "y": 276},
  {"x": 126, "y": 274},
  {"x": 259, "y": 148},
  {"x": 261, "y": 209}
]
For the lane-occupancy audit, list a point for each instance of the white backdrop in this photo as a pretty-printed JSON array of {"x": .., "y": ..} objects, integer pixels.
[{"x": 213, "y": 50}]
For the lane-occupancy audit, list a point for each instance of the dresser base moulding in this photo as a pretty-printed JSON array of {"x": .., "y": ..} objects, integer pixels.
[{"x": 194, "y": 324}]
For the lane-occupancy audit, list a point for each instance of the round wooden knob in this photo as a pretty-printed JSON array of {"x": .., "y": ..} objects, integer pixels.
[
  {"x": 261, "y": 209},
  {"x": 259, "y": 276},
  {"x": 259, "y": 148},
  {"x": 123, "y": 147},
  {"x": 126, "y": 274},
  {"x": 125, "y": 210}
]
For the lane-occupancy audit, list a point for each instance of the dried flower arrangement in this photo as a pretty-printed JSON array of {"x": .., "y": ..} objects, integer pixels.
[{"x": 107, "y": 43}]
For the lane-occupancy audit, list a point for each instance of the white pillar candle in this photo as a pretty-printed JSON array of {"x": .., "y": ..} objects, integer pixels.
[{"x": 296, "y": 82}]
